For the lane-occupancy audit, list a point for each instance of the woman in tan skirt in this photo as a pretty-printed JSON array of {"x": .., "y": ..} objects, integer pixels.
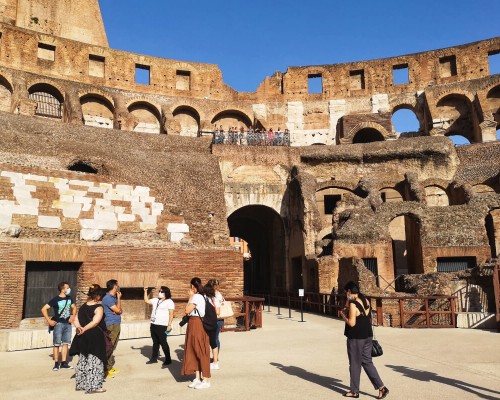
[{"x": 197, "y": 344}]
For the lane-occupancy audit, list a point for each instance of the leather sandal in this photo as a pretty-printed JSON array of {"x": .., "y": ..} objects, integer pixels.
[
  {"x": 351, "y": 394},
  {"x": 382, "y": 393}
]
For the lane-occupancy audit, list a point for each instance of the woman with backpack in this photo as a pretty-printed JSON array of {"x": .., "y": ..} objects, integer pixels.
[
  {"x": 197, "y": 345},
  {"x": 212, "y": 335},
  {"x": 358, "y": 330}
]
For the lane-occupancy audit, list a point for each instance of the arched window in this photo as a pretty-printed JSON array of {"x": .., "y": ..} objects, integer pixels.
[
  {"x": 368, "y": 135},
  {"x": 5, "y": 95},
  {"x": 49, "y": 101},
  {"x": 147, "y": 117},
  {"x": 404, "y": 120},
  {"x": 390, "y": 195},
  {"x": 458, "y": 140},
  {"x": 97, "y": 111},
  {"x": 457, "y": 110},
  {"x": 230, "y": 119},
  {"x": 189, "y": 121}
]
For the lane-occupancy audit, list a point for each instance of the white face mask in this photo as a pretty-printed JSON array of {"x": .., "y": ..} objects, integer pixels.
[
  {"x": 68, "y": 291},
  {"x": 161, "y": 295}
]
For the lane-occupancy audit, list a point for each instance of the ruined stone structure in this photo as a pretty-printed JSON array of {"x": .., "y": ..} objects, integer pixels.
[{"x": 108, "y": 169}]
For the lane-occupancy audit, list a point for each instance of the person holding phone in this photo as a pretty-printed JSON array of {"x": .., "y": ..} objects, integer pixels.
[{"x": 162, "y": 315}]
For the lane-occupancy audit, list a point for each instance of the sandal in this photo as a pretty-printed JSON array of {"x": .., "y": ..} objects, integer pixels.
[
  {"x": 351, "y": 394},
  {"x": 382, "y": 393}
]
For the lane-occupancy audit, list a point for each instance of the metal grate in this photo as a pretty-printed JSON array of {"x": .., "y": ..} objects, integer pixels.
[
  {"x": 47, "y": 105},
  {"x": 453, "y": 264}
]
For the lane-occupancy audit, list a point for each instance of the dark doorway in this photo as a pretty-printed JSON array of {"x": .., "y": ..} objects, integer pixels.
[
  {"x": 41, "y": 283},
  {"x": 298, "y": 277},
  {"x": 262, "y": 228}
]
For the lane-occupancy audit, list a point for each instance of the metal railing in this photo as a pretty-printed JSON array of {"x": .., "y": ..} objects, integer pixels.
[
  {"x": 251, "y": 138},
  {"x": 405, "y": 312}
]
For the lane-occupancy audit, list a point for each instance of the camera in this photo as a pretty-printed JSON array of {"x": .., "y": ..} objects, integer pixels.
[{"x": 184, "y": 320}]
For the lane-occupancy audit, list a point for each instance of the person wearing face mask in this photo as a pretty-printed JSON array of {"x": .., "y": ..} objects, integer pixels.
[
  {"x": 64, "y": 314},
  {"x": 162, "y": 315},
  {"x": 359, "y": 333}
]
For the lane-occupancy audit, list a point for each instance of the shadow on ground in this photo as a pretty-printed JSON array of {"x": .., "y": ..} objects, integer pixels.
[
  {"x": 325, "y": 381},
  {"x": 426, "y": 376}
]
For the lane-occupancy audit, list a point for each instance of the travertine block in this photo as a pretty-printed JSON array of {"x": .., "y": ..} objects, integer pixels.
[
  {"x": 126, "y": 217},
  {"x": 149, "y": 219},
  {"x": 66, "y": 198},
  {"x": 39, "y": 178},
  {"x": 74, "y": 193},
  {"x": 25, "y": 210},
  {"x": 71, "y": 210},
  {"x": 175, "y": 236},
  {"x": 91, "y": 235},
  {"x": 145, "y": 226},
  {"x": 94, "y": 189},
  {"x": 81, "y": 183},
  {"x": 99, "y": 224},
  {"x": 177, "y": 228},
  {"x": 49, "y": 222},
  {"x": 82, "y": 200},
  {"x": 5, "y": 219}
]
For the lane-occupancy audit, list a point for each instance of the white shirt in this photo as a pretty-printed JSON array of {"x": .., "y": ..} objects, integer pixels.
[
  {"x": 160, "y": 314},
  {"x": 218, "y": 296},
  {"x": 199, "y": 301}
]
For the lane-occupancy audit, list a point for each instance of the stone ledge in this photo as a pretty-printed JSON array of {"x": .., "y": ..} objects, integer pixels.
[{"x": 27, "y": 339}]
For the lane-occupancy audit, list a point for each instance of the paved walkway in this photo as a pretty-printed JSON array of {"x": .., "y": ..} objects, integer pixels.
[{"x": 285, "y": 360}]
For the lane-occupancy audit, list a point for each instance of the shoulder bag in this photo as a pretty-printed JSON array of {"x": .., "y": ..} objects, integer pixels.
[{"x": 226, "y": 309}]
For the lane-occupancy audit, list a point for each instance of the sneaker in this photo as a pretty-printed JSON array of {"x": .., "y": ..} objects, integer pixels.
[
  {"x": 166, "y": 364},
  {"x": 152, "y": 361},
  {"x": 109, "y": 375},
  {"x": 65, "y": 365},
  {"x": 194, "y": 383},
  {"x": 56, "y": 367},
  {"x": 214, "y": 366},
  {"x": 114, "y": 370},
  {"x": 202, "y": 385}
]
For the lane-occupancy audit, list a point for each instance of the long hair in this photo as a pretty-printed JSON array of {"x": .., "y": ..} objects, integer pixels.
[
  {"x": 167, "y": 292},
  {"x": 196, "y": 282},
  {"x": 209, "y": 290}
]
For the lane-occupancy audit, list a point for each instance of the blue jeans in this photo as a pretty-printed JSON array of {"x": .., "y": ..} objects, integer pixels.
[
  {"x": 220, "y": 324},
  {"x": 62, "y": 334}
]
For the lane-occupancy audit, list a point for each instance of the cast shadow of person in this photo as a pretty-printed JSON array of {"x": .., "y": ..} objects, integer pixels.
[
  {"x": 325, "y": 381},
  {"x": 174, "y": 368},
  {"x": 426, "y": 376}
]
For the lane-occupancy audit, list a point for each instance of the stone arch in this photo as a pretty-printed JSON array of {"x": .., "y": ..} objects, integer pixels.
[
  {"x": 147, "y": 117},
  {"x": 404, "y": 230},
  {"x": 456, "y": 108},
  {"x": 337, "y": 184},
  {"x": 391, "y": 195},
  {"x": 264, "y": 231},
  {"x": 97, "y": 110},
  {"x": 230, "y": 118},
  {"x": 481, "y": 188},
  {"x": 436, "y": 196},
  {"x": 493, "y": 103},
  {"x": 49, "y": 100},
  {"x": 419, "y": 117},
  {"x": 370, "y": 131},
  {"x": 5, "y": 94},
  {"x": 189, "y": 120}
]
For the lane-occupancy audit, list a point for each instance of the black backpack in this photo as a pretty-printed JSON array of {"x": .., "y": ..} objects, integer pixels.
[{"x": 210, "y": 318}]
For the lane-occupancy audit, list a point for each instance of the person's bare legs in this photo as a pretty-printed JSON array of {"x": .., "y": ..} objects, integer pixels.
[
  {"x": 55, "y": 353},
  {"x": 64, "y": 353}
]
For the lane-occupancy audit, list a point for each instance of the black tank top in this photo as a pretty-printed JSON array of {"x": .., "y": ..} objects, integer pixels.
[{"x": 363, "y": 327}]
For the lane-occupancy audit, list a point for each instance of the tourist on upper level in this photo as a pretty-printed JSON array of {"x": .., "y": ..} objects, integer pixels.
[
  {"x": 197, "y": 344},
  {"x": 162, "y": 315},
  {"x": 64, "y": 315},
  {"x": 270, "y": 137},
  {"x": 89, "y": 343},
  {"x": 359, "y": 333},
  {"x": 112, "y": 304},
  {"x": 213, "y": 335}
]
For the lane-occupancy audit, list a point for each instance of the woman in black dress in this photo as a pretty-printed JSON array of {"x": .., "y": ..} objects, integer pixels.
[
  {"x": 358, "y": 329},
  {"x": 89, "y": 343}
]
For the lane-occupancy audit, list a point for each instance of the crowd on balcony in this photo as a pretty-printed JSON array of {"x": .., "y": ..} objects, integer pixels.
[{"x": 251, "y": 137}]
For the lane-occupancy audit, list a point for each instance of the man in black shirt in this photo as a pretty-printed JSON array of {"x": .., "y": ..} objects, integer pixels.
[{"x": 64, "y": 314}]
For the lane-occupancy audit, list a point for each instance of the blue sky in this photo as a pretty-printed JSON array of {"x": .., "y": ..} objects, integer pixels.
[{"x": 250, "y": 40}]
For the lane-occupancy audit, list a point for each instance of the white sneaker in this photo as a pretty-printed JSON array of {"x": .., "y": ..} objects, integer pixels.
[
  {"x": 202, "y": 385},
  {"x": 194, "y": 383},
  {"x": 214, "y": 366}
]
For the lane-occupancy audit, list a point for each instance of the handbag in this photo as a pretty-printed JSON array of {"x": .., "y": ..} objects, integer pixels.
[
  {"x": 226, "y": 309},
  {"x": 376, "y": 348}
]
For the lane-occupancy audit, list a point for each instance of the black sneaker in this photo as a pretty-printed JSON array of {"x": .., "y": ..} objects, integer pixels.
[
  {"x": 166, "y": 364},
  {"x": 152, "y": 361},
  {"x": 56, "y": 367},
  {"x": 65, "y": 365}
]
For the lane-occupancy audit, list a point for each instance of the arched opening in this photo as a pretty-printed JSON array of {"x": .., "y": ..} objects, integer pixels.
[
  {"x": 457, "y": 139},
  {"x": 457, "y": 110},
  {"x": 97, "y": 111},
  {"x": 82, "y": 166},
  {"x": 479, "y": 189},
  {"x": 262, "y": 228},
  {"x": 405, "y": 122},
  {"x": 492, "y": 225},
  {"x": 406, "y": 246},
  {"x": 493, "y": 104},
  {"x": 390, "y": 195},
  {"x": 5, "y": 95},
  {"x": 368, "y": 135},
  {"x": 436, "y": 197},
  {"x": 189, "y": 121},
  {"x": 146, "y": 116},
  {"x": 49, "y": 101},
  {"x": 231, "y": 119}
]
